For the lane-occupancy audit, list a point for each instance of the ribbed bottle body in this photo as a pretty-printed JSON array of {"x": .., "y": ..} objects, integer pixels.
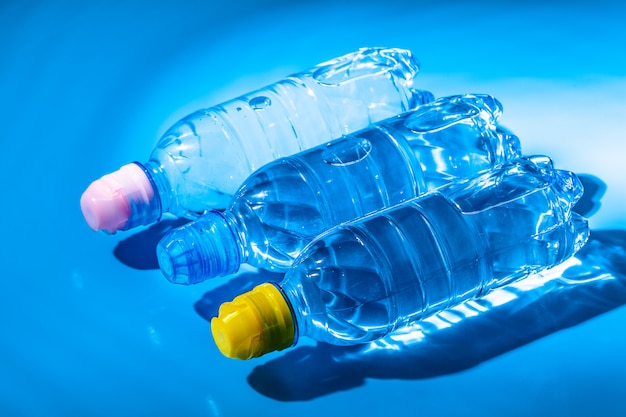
[
  {"x": 363, "y": 279},
  {"x": 290, "y": 201},
  {"x": 208, "y": 154}
]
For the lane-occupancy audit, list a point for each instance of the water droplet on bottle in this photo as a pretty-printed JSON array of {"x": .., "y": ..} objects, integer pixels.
[{"x": 260, "y": 102}]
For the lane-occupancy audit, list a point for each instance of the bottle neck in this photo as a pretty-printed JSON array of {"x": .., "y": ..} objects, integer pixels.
[
  {"x": 142, "y": 203},
  {"x": 232, "y": 239},
  {"x": 207, "y": 247},
  {"x": 296, "y": 292},
  {"x": 160, "y": 183}
]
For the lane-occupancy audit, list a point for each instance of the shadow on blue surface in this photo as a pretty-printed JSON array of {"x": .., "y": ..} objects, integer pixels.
[
  {"x": 589, "y": 284},
  {"x": 139, "y": 250},
  {"x": 592, "y": 284},
  {"x": 210, "y": 302},
  {"x": 594, "y": 188}
]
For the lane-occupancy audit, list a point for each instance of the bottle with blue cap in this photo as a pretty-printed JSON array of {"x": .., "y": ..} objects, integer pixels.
[
  {"x": 286, "y": 203},
  {"x": 362, "y": 280},
  {"x": 201, "y": 161}
]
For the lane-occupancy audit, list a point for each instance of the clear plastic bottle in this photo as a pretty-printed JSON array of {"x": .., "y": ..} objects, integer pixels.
[
  {"x": 362, "y": 280},
  {"x": 286, "y": 203},
  {"x": 201, "y": 161}
]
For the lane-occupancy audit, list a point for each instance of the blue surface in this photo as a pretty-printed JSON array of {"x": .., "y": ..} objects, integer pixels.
[{"x": 90, "y": 327}]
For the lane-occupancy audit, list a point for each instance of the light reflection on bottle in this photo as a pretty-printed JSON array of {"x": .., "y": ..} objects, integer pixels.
[
  {"x": 590, "y": 283},
  {"x": 598, "y": 266}
]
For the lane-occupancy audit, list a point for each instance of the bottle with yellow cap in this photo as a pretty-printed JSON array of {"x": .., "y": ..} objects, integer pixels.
[
  {"x": 286, "y": 203},
  {"x": 202, "y": 159},
  {"x": 363, "y": 279}
]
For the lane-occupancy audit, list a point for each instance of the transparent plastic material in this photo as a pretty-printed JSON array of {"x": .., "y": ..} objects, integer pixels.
[
  {"x": 286, "y": 203},
  {"x": 362, "y": 280},
  {"x": 201, "y": 161}
]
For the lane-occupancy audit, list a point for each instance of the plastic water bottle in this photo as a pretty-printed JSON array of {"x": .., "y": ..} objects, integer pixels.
[
  {"x": 362, "y": 280},
  {"x": 286, "y": 203},
  {"x": 201, "y": 161}
]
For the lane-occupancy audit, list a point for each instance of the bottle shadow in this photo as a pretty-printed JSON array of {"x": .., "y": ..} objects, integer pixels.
[
  {"x": 139, "y": 250},
  {"x": 589, "y": 203},
  {"x": 208, "y": 306},
  {"x": 589, "y": 284}
]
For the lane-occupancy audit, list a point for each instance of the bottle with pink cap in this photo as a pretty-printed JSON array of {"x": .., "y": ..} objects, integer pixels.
[{"x": 201, "y": 161}]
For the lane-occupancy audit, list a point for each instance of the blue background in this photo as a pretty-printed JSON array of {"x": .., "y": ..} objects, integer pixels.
[{"x": 88, "y": 326}]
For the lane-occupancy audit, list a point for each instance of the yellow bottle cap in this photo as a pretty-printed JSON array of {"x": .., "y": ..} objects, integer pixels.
[{"x": 254, "y": 323}]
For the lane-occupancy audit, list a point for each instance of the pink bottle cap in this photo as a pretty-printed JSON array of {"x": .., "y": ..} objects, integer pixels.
[{"x": 117, "y": 199}]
